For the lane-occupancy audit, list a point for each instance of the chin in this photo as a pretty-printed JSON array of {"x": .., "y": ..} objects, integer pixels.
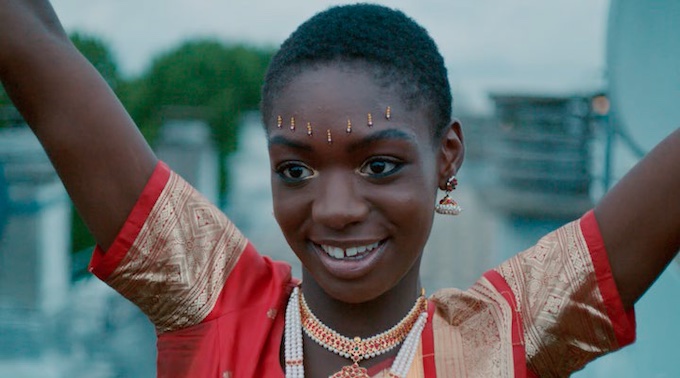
[{"x": 353, "y": 292}]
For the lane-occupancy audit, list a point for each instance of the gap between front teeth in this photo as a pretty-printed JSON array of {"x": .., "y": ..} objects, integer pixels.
[{"x": 340, "y": 253}]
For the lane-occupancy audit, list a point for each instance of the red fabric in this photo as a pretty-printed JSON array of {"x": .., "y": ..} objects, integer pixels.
[
  {"x": 256, "y": 287},
  {"x": 379, "y": 367},
  {"x": 248, "y": 307},
  {"x": 103, "y": 267},
  {"x": 241, "y": 336},
  {"x": 429, "y": 367},
  {"x": 623, "y": 321},
  {"x": 518, "y": 350}
]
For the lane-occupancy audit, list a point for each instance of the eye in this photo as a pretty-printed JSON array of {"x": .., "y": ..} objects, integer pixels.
[
  {"x": 294, "y": 172},
  {"x": 379, "y": 167}
]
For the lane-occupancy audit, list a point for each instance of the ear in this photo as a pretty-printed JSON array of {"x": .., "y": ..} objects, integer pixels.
[{"x": 451, "y": 153}]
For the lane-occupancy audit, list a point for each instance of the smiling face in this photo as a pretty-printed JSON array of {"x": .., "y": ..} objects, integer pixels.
[{"x": 357, "y": 210}]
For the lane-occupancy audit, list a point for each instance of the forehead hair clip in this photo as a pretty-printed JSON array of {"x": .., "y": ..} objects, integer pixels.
[
  {"x": 279, "y": 121},
  {"x": 309, "y": 128},
  {"x": 292, "y": 123},
  {"x": 388, "y": 113},
  {"x": 370, "y": 120},
  {"x": 349, "y": 126},
  {"x": 328, "y": 136}
]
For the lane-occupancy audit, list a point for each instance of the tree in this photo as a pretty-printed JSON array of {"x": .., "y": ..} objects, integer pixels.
[
  {"x": 222, "y": 81},
  {"x": 99, "y": 54}
]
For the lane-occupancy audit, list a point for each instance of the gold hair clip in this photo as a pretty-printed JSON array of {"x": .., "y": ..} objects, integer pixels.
[
  {"x": 388, "y": 113},
  {"x": 328, "y": 134},
  {"x": 309, "y": 128},
  {"x": 370, "y": 120},
  {"x": 279, "y": 121},
  {"x": 292, "y": 123},
  {"x": 349, "y": 126}
]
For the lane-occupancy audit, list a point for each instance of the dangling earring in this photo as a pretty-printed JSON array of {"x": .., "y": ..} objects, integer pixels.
[{"x": 448, "y": 205}]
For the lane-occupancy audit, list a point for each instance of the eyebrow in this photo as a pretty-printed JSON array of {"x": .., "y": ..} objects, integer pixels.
[
  {"x": 282, "y": 140},
  {"x": 379, "y": 136},
  {"x": 389, "y": 134}
]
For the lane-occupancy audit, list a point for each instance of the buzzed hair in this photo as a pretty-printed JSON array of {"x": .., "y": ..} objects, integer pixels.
[{"x": 400, "y": 53}]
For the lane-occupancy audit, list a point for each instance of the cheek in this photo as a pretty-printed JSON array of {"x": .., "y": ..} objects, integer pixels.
[
  {"x": 278, "y": 202},
  {"x": 416, "y": 209},
  {"x": 405, "y": 204},
  {"x": 289, "y": 209},
  {"x": 418, "y": 191},
  {"x": 410, "y": 204},
  {"x": 282, "y": 211}
]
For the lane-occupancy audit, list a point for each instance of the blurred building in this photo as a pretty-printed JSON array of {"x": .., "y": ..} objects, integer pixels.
[
  {"x": 56, "y": 320},
  {"x": 529, "y": 169},
  {"x": 542, "y": 157}
]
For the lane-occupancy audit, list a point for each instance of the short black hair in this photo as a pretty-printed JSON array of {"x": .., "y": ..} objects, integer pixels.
[{"x": 400, "y": 52}]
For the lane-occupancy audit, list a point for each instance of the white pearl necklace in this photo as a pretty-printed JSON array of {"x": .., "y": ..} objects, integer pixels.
[
  {"x": 293, "y": 335},
  {"x": 293, "y": 344},
  {"x": 402, "y": 363}
]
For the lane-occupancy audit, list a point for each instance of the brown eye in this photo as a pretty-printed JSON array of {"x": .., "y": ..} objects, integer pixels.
[
  {"x": 294, "y": 172},
  {"x": 379, "y": 167}
]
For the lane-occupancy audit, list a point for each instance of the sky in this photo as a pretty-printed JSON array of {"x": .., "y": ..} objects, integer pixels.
[{"x": 555, "y": 46}]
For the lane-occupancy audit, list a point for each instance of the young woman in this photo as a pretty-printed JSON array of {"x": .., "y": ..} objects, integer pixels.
[{"x": 357, "y": 108}]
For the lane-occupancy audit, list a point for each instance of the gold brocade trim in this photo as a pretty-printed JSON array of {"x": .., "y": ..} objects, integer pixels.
[
  {"x": 473, "y": 333},
  {"x": 564, "y": 318},
  {"x": 179, "y": 262}
]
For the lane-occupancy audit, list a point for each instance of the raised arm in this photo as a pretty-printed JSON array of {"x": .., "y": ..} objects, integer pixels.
[
  {"x": 94, "y": 145},
  {"x": 640, "y": 220}
]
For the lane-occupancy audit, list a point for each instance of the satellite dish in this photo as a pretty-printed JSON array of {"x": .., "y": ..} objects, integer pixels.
[{"x": 643, "y": 61}]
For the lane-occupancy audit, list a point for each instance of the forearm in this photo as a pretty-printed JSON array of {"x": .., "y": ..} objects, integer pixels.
[
  {"x": 95, "y": 147},
  {"x": 640, "y": 220},
  {"x": 25, "y": 25}
]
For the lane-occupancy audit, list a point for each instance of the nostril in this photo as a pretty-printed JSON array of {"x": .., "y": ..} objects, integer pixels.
[
  {"x": 339, "y": 214},
  {"x": 339, "y": 204}
]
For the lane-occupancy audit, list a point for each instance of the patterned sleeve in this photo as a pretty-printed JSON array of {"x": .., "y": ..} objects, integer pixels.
[
  {"x": 567, "y": 299},
  {"x": 173, "y": 254}
]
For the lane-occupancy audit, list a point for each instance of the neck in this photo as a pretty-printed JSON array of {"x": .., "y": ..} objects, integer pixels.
[{"x": 368, "y": 318}]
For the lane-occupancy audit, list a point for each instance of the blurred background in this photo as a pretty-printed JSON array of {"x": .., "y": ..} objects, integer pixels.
[{"x": 558, "y": 100}]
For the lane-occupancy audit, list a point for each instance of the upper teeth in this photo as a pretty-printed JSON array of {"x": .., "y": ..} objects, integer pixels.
[{"x": 339, "y": 253}]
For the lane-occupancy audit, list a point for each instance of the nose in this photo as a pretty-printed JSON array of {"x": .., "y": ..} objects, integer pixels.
[{"x": 339, "y": 202}]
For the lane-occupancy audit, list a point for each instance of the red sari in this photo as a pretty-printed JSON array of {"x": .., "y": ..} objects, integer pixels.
[{"x": 218, "y": 305}]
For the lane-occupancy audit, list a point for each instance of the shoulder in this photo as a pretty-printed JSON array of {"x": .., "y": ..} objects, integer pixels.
[{"x": 476, "y": 332}]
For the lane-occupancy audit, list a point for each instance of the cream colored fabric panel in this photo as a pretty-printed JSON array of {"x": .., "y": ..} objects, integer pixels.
[{"x": 473, "y": 333}]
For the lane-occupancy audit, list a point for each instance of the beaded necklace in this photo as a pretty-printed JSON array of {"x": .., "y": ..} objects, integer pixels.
[{"x": 299, "y": 317}]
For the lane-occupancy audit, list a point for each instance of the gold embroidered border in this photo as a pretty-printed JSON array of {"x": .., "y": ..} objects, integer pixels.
[
  {"x": 565, "y": 321},
  {"x": 177, "y": 266},
  {"x": 473, "y": 333}
]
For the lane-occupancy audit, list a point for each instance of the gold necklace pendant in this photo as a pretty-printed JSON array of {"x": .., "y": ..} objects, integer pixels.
[
  {"x": 352, "y": 371},
  {"x": 357, "y": 348}
]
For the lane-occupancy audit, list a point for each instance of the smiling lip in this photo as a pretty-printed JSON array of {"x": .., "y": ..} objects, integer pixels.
[
  {"x": 349, "y": 253},
  {"x": 350, "y": 262}
]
